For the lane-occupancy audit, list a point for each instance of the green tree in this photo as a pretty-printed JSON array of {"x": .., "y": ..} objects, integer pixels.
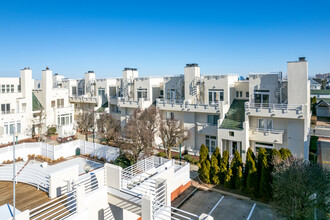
[
  {"x": 217, "y": 155},
  {"x": 246, "y": 170},
  {"x": 227, "y": 182},
  {"x": 204, "y": 174},
  {"x": 285, "y": 153},
  {"x": 252, "y": 178},
  {"x": 203, "y": 154},
  {"x": 264, "y": 185},
  {"x": 224, "y": 165},
  {"x": 236, "y": 164},
  {"x": 239, "y": 178},
  {"x": 215, "y": 170}
]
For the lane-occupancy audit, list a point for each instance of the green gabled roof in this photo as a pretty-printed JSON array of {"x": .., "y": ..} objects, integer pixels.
[
  {"x": 323, "y": 91},
  {"x": 36, "y": 105},
  {"x": 105, "y": 105},
  {"x": 235, "y": 116}
]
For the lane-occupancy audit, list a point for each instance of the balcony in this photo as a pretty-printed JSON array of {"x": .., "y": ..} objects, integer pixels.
[
  {"x": 130, "y": 103},
  {"x": 175, "y": 105},
  {"x": 266, "y": 136},
  {"x": 207, "y": 129},
  {"x": 83, "y": 99},
  {"x": 275, "y": 110}
]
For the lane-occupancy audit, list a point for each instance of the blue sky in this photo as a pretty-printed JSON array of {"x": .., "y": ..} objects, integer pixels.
[{"x": 160, "y": 37}]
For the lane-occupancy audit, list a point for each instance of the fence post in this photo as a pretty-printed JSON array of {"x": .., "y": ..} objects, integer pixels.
[
  {"x": 80, "y": 199},
  {"x": 146, "y": 204}
]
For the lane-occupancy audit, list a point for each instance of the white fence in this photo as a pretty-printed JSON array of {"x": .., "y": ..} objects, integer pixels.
[{"x": 56, "y": 151}]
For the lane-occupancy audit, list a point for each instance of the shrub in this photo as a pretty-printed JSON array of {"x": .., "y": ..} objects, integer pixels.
[
  {"x": 239, "y": 178},
  {"x": 8, "y": 161},
  {"x": 217, "y": 155},
  {"x": 215, "y": 170},
  {"x": 161, "y": 154},
  {"x": 51, "y": 131},
  {"x": 176, "y": 157},
  {"x": 224, "y": 165},
  {"x": 19, "y": 158},
  {"x": 227, "y": 182},
  {"x": 33, "y": 155},
  {"x": 4, "y": 162},
  {"x": 285, "y": 153},
  {"x": 246, "y": 170},
  {"x": 61, "y": 158},
  {"x": 205, "y": 171},
  {"x": 39, "y": 156},
  {"x": 264, "y": 185},
  {"x": 88, "y": 155},
  {"x": 187, "y": 158},
  {"x": 122, "y": 161},
  {"x": 252, "y": 178},
  {"x": 203, "y": 153},
  {"x": 236, "y": 164}
]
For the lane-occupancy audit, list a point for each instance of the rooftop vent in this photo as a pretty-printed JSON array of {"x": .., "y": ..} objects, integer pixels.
[
  {"x": 90, "y": 71},
  {"x": 192, "y": 65},
  {"x": 302, "y": 58}
]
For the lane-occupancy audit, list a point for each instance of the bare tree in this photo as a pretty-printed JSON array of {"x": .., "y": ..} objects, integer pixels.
[
  {"x": 108, "y": 127},
  {"x": 138, "y": 135},
  {"x": 85, "y": 121},
  {"x": 172, "y": 131}
]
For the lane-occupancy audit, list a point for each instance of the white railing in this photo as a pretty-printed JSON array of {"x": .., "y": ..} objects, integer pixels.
[
  {"x": 272, "y": 106},
  {"x": 168, "y": 212},
  {"x": 270, "y": 131},
  {"x": 83, "y": 99},
  {"x": 26, "y": 174},
  {"x": 59, "y": 208},
  {"x": 186, "y": 104}
]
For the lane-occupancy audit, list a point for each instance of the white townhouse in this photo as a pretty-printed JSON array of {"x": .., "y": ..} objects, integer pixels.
[
  {"x": 21, "y": 105},
  {"x": 54, "y": 103},
  {"x": 16, "y": 106},
  {"x": 225, "y": 111}
]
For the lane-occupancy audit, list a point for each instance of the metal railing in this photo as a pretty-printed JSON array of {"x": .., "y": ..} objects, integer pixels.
[
  {"x": 270, "y": 131},
  {"x": 28, "y": 175},
  {"x": 168, "y": 212},
  {"x": 186, "y": 104},
  {"x": 59, "y": 208},
  {"x": 272, "y": 106}
]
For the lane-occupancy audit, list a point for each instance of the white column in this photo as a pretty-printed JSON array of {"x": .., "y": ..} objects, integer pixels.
[
  {"x": 147, "y": 207},
  {"x": 113, "y": 176}
]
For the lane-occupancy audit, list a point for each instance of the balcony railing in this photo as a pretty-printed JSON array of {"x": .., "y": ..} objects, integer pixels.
[
  {"x": 83, "y": 99},
  {"x": 272, "y": 106},
  {"x": 271, "y": 131},
  {"x": 186, "y": 104}
]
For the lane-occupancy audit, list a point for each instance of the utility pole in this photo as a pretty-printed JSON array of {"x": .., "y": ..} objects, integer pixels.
[{"x": 14, "y": 175}]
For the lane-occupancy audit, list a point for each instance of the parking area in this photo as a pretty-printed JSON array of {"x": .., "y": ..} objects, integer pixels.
[{"x": 228, "y": 208}]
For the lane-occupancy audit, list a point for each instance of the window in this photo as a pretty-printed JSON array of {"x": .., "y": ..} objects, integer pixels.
[
  {"x": 18, "y": 88},
  {"x": 142, "y": 93},
  {"x": 211, "y": 143},
  {"x": 18, "y": 128},
  {"x": 231, "y": 133},
  {"x": 170, "y": 115},
  {"x": 53, "y": 104},
  {"x": 240, "y": 94},
  {"x": 74, "y": 90},
  {"x": 12, "y": 88},
  {"x": 8, "y": 88},
  {"x": 64, "y": 119},
  {"x": 171, "y": 94},
  {"x": 161, "y": 93},
  {"x": 3, "y": 88},
  {"x": 237, "y": 93},
  {"x": 101, "y": 92},
  {"x": 265, "y": 124},
  {"x": 247, "y": 94},
  {"x": 60, "y": 103},
  {"x": 213, "y": 119},
  {"x": 5, "y": 108},
  {"x": 215, "y": 95},
  {"x": 234, "y": 147},
  {"x": 11, "y": 128},
  {"x": 261, "y": 97},
  {"x": 6, "y": 128}
]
